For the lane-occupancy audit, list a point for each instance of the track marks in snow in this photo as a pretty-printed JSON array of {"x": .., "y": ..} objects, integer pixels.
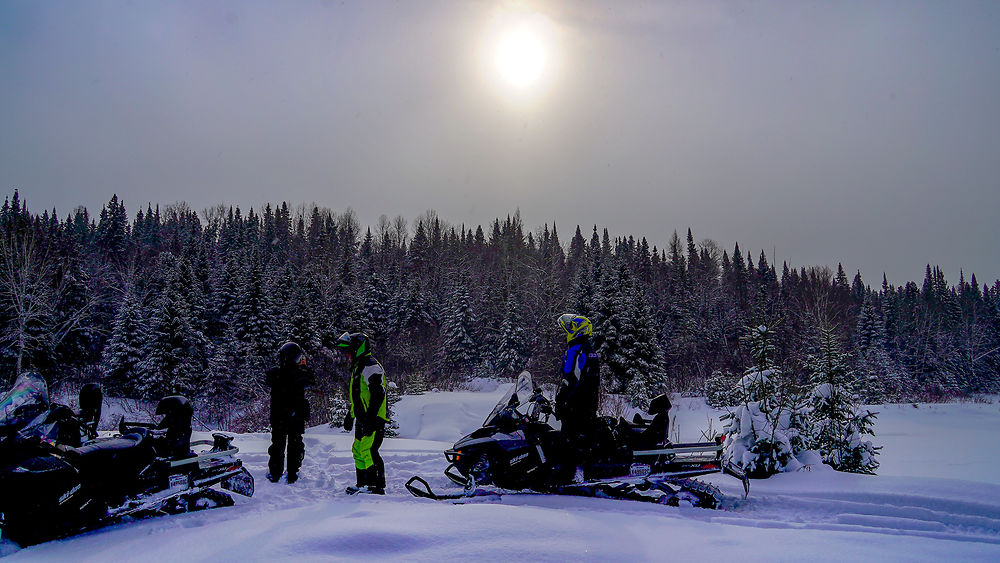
[{"x": 893, "y": 514}]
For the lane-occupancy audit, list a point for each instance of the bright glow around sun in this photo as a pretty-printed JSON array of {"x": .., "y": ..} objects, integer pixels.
[
  {"x": 521, "y": 57},
  {"x": 520, "y": 51}
]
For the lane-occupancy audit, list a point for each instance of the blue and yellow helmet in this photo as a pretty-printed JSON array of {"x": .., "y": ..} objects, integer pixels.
[{"x": 575, "y": 326}]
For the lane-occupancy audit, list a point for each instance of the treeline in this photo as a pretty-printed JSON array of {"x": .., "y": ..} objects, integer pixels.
[{"x": 173, "y": 301}]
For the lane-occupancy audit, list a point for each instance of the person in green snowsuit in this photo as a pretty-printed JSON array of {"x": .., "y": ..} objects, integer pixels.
[{"x": 368, "y": 412}]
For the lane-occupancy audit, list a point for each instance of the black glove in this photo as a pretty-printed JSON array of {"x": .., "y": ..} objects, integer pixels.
[
  {"x": 545, "y": 408},
  {"x": 348, "y": 423}
]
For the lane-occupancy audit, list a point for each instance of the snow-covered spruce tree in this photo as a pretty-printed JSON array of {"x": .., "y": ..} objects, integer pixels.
[
  {"x": 611, "y": 317},
  {"x": 458, "y": 352},
  {"x": 511, "y": 353},
  {"x": 416, "y": 383},
  {"x": 374, "y": 314},
  {"x": 720, "y": 391},
  {"x": 392, "y": 397},
  {"x": 224, "y": 386},
  {"x": 252, "y": 320},
  {"x": 301, "y": 315},
  {"x": 280, "y": 299},
  {"x": 123, "y": 353},
  {"x": 837, "y": 424},
  {"x": 338, "y": 410},
  {"x": 626, "y": 330},
  {"x": 644, "y": 357},
  {"x": 765, "y": 433},
  {"x": 175, "y": 351}
]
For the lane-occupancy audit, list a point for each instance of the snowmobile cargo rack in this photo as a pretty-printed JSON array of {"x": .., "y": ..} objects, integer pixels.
[{"x": 686, "y": 451}]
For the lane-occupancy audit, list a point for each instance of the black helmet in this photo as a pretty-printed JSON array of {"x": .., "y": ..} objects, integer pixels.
[
  {"x": 356, "y": 344},
  {"x": 290, "y": 354}
]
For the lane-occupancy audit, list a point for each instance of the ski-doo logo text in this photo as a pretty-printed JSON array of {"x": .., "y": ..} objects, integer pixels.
[
  {"x": 68, "y": 494},
  {"x": 519, "y": 459}
]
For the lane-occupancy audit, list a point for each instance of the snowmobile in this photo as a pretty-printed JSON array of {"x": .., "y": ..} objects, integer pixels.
[
  {"x": 57, "y": 477},
  {"x": 517, "y": 449}
]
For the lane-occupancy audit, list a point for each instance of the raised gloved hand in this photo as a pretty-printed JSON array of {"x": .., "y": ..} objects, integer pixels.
[{"x": 348, "y": 422}]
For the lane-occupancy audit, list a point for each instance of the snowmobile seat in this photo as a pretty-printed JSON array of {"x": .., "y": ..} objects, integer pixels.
[
  {"x": 109, "y": 445},
  {"x": 642, "y": 433},
  {"x": 110, "y": 467},
  {"x": 130, "y": 450}
]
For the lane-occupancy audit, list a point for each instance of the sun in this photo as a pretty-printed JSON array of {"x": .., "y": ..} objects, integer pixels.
[
  {"x": 520, "y": 52},
  {"x": 521, "y": 57}
]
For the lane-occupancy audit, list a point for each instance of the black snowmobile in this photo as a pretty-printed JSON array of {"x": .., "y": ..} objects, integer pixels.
[
  {"x": 518, "y": 449},
  {"x": 58, "y": 478}
]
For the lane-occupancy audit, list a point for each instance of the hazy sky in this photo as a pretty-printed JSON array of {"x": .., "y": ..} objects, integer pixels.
[{"x": 866, "y": 133}]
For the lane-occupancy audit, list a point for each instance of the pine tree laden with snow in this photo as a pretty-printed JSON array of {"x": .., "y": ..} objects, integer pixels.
[
  {"x": 837, "y": 425},
  {"x": 458, "y": 351},
  {"x": 123, "y": 354},
  {"x": 175, "y": 351},
  {"x": 764, "y": 434},
  {"x": 339, "y": 409},
  {"x": 719, "y": 390},
  {"x": 643, "y": 357},
  {"x": 511, "y": 353}
]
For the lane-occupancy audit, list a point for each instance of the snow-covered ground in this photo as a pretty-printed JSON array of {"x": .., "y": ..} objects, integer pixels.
[{"x": 937, "y": 497}]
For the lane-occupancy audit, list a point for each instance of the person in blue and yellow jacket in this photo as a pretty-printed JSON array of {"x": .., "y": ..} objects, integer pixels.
[
  {"x": 578, "y": 395},
  {"x": 368, "y": 412}
]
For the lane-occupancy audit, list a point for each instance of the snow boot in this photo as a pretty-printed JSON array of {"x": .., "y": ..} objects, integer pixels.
[
  {"x": 272, "y": 478},
  {"x": 361, "y": 480},
  {"x": 365, "y": 490},
  {"x": 292, "y": 477}
]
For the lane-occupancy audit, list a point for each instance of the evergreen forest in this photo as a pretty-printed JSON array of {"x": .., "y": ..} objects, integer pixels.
[{"x": 174, "y": 301}]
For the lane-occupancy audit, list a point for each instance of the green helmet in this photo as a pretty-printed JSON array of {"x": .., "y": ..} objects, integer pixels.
[
  {"x": 356, "y": 344},
  {"x": 575, "y": 326}
]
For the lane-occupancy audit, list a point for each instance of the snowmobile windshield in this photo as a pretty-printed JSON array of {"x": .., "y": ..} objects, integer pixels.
[
  {"x": 28, "y": 398},
  {"x": 517, "y": 398}
]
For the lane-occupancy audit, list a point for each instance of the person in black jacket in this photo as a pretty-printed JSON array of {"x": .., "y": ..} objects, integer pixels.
[
  {"x": 577, "y": 397},
  {"x": 289, "y": 410},
  {"x": 369, "y": 412}
]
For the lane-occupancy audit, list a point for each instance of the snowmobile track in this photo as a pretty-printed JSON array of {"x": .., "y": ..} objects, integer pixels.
[{"x": 891, "y": 514}]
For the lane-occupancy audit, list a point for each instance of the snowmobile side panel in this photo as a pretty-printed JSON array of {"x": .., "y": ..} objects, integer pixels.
[
  {"x": 204, "y": 457},
  {"x": 707, "y": 447}
]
